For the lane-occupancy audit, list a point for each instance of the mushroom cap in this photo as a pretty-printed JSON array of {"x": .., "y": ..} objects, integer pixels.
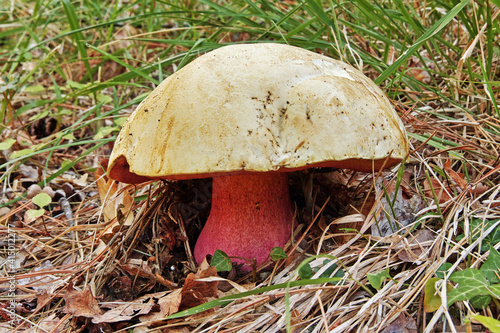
[{"x": 257, "y": 108}]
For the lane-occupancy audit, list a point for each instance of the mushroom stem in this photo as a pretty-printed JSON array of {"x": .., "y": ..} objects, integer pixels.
[{"x": 250, "y": 214}]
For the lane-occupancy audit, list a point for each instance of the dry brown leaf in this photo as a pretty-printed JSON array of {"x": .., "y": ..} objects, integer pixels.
[
  {"x": 416, "y": 70},
  {"x": 457, "y": 177},
  {"x": 402, "y": 325},
  {"x": 420, "y": 74},
  {"x": 29, "y": 172},
  {"x": 414, "y": 251},
  {"x": 145, "y": 271},
  {"x": 122, "y": 37},
  {"x": 196, "y": 292},
  {"x": 128, "y": 310},
  {"x": 42, "y": 278},
  {"x": 49, "y": 324},
  {"x": 82, "y": 181},
  {"x": 42, "y": 297},
  {"x": 81, "y": 303},
  {"x": 4, "y": 211},
  {"x": 479, "y": 189},
  {"x": 106, "y": 188},
  {"x": 111, "y": 202},
  {"x": 169, "y": 304},
  {"x": 442, "y": 192}
]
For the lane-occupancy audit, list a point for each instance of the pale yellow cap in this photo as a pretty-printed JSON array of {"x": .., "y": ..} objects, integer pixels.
[{"x": 256, "y": 108}]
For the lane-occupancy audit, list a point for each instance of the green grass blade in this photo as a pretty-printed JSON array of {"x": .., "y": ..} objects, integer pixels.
[
  {"x": 225, "y": 300},
  {"x": 70, "y": 12},
  {"x": 124, "y": 64},
  {"x": 438, "y": 26}
]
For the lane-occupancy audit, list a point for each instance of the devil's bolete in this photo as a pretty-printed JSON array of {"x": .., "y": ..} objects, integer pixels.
[{"x": 246, "y": 115}]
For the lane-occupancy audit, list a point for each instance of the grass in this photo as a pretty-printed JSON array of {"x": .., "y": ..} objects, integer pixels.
[{"x": 72, "y": 71}]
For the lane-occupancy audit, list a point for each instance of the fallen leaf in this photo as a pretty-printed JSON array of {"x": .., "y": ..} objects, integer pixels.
[
  {"x": 420, "y": 74},
  {"x": 82, "y": 181},
  {"x": 4, "y": 211},
  {"x": 479, "y": 189},
  {"x": 169, "y": 304},
  {"x": 29, "y": 172},
  {"x": 125, "y": 312},
  {"x": 296, "y": 319},
  {"x": 415, "y": 249},
  {"x": 42, "y": 298},
  {"x": 443, "y": 193},
  {"x": 81, "y": 303},
  {"x": 143, "y": 270},
  {"x": 113, "y": 198},
  {"x": 402, "y": 325},
  {"x": 432, "y": 298},
  {"x": 140, "y": 329},
  {"x": 167, "y": 283},
  {"x": 457, "y": 177},
  {"x": 49, "y": 324},
  {"x": 122, "y": 37},
  {"x": 121, "y": 285},
  {"x": 196, "y": 292},
  {"x": 394, "y": 210},
  {"x": 416, "y": 70},
  {"x": 42, "y": 281},
  {"x": 193, "y": 293}
]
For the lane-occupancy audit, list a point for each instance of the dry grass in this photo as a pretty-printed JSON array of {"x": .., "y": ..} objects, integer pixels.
[{"x": 118, "y": 259}]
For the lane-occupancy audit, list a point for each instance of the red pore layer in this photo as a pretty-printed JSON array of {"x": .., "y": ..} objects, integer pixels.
[
  {"x": 250, "y": 215},
  {"x": 120, "y": 169}
]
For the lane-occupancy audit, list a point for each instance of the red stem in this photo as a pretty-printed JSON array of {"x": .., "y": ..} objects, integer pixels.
[{"x": 250, "y": 215}]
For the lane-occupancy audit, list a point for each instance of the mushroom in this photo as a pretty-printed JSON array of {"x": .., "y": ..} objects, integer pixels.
[{"x": 246, "y": 115}]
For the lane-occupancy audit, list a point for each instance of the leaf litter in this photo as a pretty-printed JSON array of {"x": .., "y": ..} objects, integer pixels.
[
  {"x": 135, "y": 250},
  {"x": 119, "y": 258}
]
